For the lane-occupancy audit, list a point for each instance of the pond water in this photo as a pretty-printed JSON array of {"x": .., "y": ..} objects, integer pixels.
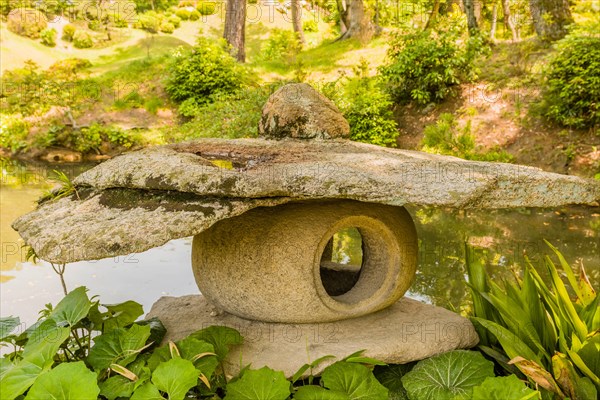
[{"x": 501, "y": 237}]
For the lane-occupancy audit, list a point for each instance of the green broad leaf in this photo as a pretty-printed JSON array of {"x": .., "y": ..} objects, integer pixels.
[
  {"x": 191, "y": 349},
  {"x": 7, "y": 325},
  {"x": 18, "y": 378},
  {"x": 5, "y": 365},
  {"x": 122, "y": 315},
  {"x": 356, "y": 380},
  {"x": 199, "y": 353},
  {"x": 147, "y": 392},
  {"x": 157, "y": 329},
  {"x": 175, "y": 377},
  {"x": 221, "y": 337},
  {"x": 68, "y": 381},
  {"x": 259, "y": 384},
  {"x": 505, "y": 388},
  {"x": 117, "y": 386},
  {"x": 72, "y": 308},
  {"x": 448, "y": 376},
  {"x": 391, "y": 377},
  {"x": 319, "y": 393},
  {"x": 44, "y": 342},
  {"x": 119, "y": 346},
  {"x": 125, "y": 380}
]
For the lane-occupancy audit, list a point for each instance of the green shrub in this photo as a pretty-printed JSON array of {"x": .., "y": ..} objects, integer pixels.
[
  {"x": 167, "y": 27},
  {"x": 207, "y": 7},
  {"x": 13, "y": 132},
  {"x": 82, "y": 40},
  {"x": 281, "y": 44},
  {"x": 94, "y": 25},
  {"x": 27, "y": 22},
  {"x": 445, "y": 137},
  {"x": 194, "y": 15},
  {"x": 48, "y": 36},
  {"x": 89, "y": 139},
  {"x": 69, "y": 67},
  {"x": 149, "y": 21},
  {"x": 183, "y": 14},
  {"x": 202, "y": 72},
  {"x": 366, "y": 106},
  {"x": 175, "y": 20},
  {"x": 68, "y": 32},
  {"x": 425, "y": 67},
  {"x": 120, "y": 22},
  {"x": 310, "y": 26},
  {"x": 572, "y": 94}
]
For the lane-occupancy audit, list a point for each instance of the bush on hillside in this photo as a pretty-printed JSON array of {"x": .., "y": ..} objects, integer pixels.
[
  {"x": 281, "y": 44},
  {"x": 310, "y": 26},
  {"x": 48, "y": 36},
  {"x": 167, "y": 27},
  {"x": 194, "y": 15},
  {"x": 183, "y": 14},
  {"x": 366, "y": 106},
  {"x": 26, "y": 22},
  {"x": 82, "y": 40},
  {"x": 68, "y": 32},
  {"x": 572, "y": 94},
  {"x": 13, "y": 132},
  {"x": 69, "y": 67},
  {"x": 149, "y": 21},
  {"x": 207, "y": 7},
  {"x": 425, "y": 67},
  {"x": 204, "y": 71},
  {"x": 175, "y": 20}
]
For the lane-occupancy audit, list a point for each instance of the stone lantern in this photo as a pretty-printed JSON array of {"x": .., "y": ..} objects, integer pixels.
[{"x": 264, "y": 213}]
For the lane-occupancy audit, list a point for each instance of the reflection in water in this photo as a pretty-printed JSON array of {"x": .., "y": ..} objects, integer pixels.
[
  {"x": 502, "y": 238},
  {"x": 341, "y": 262}
]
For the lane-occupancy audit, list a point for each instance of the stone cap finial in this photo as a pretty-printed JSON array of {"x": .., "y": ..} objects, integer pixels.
[{"x": 298, "y": 111}]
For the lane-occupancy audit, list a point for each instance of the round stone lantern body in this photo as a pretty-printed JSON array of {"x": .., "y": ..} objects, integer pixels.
[{"x": 266, "y": 263}]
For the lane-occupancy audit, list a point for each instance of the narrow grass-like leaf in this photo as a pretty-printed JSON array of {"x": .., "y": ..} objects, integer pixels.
[
  {"x": 512, "y": 345},
  {"x": 569, "y": 272},
  {"x": 564, "y": 302}
]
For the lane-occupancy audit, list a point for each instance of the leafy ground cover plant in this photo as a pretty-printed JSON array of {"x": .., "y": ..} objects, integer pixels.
[
  {"x": 549, "y": 332},
  {"x": 81, "y": 349}
]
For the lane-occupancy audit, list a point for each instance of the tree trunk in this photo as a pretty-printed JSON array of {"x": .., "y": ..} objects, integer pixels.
[
  {"x": 357, "y": 22},
  {"x": 494, "y": 22},
  {"x": 297, "y": 20},
  {"x": 235, "y": 28},
  {"x": 507, "y": 21},
  {"x": 550, "y": 18},
  {"x": 471, "y": 20},
  {"x": 435, "y": 11}
]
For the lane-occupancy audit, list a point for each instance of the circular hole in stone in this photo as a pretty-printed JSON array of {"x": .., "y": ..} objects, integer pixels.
[{"x": 342, "y": 261}]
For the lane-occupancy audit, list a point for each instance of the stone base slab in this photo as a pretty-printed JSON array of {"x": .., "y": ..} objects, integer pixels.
[{"x": 406, "y": 331}]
